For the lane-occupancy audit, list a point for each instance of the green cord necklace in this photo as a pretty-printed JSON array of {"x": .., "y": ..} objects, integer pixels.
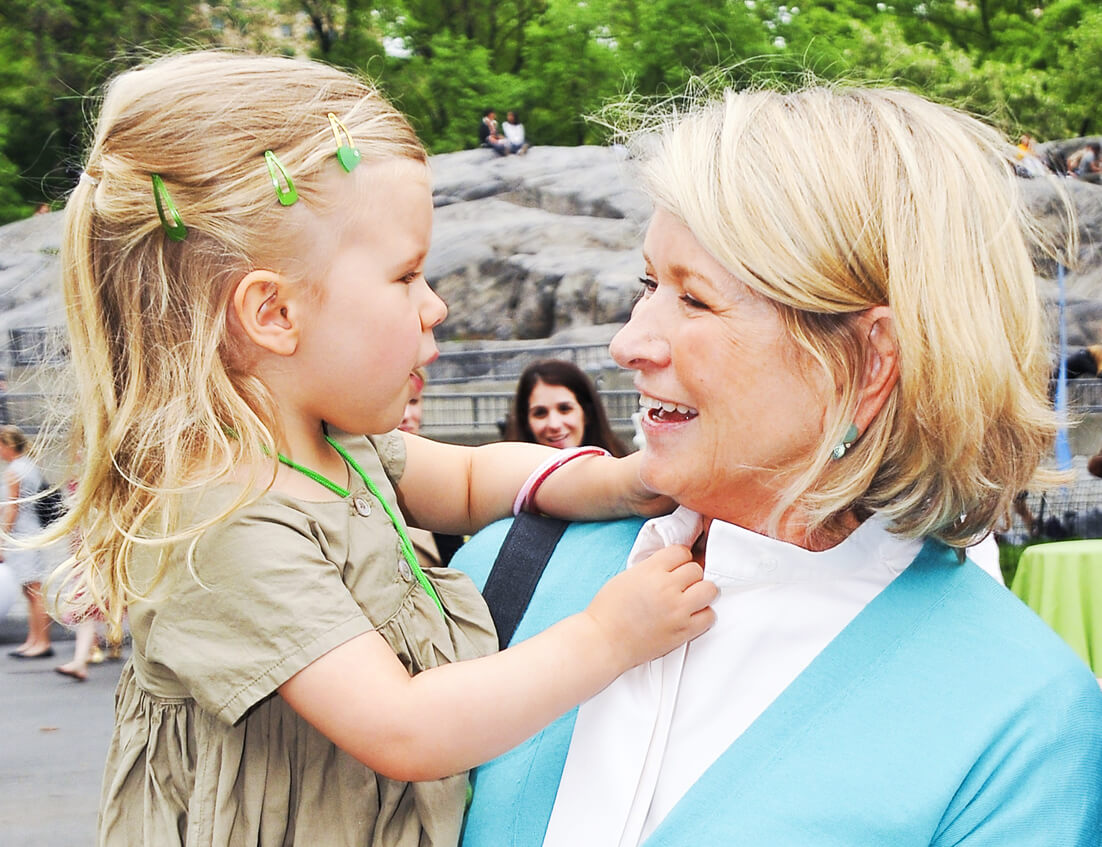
[{"x": 406, "y": 545}]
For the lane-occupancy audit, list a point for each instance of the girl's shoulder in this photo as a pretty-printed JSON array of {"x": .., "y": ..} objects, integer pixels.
[{"x": 375, "y": 453}]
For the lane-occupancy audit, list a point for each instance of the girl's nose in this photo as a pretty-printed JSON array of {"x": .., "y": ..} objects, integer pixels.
[{"x": 433, "y": 309}]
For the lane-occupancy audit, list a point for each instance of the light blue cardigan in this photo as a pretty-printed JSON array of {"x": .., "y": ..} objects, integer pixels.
[{"x": 946, "y": 713}]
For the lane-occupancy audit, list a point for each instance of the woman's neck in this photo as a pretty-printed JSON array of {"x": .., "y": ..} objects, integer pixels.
[{"x": 791, "y": 529}]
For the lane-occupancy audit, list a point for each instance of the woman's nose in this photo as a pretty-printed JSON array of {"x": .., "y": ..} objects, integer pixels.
[{"x": 638, "y": 344}]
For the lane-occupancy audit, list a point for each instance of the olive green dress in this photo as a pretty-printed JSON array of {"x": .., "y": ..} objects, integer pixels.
[{"x": 204, "y": 751}]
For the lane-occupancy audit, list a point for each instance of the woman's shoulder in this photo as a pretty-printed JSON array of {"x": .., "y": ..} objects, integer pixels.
[
  {"x": 22, "y": 466},
  {"x": 989, "y": 628}
]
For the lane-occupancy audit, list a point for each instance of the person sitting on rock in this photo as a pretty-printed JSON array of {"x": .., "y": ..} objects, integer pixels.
[
  {"x": 1085, "y": 362},
  {"x": 1029, "y": 163},
  {"x": 1086, "y": 164},
  {"x": 514, "y": 134},
  {"x": 488, "y": 136}
]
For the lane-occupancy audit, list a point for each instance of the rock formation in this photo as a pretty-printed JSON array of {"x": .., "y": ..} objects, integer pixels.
[{"x": 528, "y": 247}]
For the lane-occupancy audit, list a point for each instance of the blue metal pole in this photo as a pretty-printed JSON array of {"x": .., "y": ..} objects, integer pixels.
[{"x": 1063, "y": 448}]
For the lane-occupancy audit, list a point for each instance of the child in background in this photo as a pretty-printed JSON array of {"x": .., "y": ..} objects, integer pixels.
[
  {"x": 243, "y": 270},
  {"x": 433, "y": 548}
]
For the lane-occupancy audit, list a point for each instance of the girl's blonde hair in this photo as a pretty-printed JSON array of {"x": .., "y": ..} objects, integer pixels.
[
  {"x": 829, "y": 201},
  {"x": 166, "y": 404}
]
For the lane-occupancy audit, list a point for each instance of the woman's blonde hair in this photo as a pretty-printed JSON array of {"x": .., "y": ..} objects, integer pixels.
[
  {"x": 831, "y": 200},
  {"x": 166, "y": 402}
]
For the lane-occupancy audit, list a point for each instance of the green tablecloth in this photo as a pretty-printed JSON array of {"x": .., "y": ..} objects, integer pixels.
[{"x": 1062, "y": 582}]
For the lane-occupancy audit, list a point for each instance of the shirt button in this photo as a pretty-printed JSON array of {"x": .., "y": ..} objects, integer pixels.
[
  {"x": 403, "y": 569},
  {"x": 768, "y": 565},
  {"x": 362, "y": 507}
]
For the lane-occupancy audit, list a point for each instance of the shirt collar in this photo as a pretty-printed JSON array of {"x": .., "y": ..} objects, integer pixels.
[{"x": 743, "y": 555}]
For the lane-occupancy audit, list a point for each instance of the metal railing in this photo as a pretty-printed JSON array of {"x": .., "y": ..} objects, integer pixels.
[
  {"x": 40, "y": 345},
  {"x": 1084, "y": 395},
  {"x": 506, "y": 362},
  {"x": 483, "y": 412}
]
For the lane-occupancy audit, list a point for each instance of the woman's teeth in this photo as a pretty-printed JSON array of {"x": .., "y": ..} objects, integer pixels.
[{"x": 664, "y": 410}]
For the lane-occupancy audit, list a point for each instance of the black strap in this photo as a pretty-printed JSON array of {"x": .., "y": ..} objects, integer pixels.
[{"x": 517, "y": 569}]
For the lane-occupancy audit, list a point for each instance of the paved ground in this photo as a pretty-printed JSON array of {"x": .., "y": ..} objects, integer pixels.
[{"x": 54, "y": 734}]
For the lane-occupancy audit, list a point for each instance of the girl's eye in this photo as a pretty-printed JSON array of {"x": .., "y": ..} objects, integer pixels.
[{"x": 410, "y": 278}]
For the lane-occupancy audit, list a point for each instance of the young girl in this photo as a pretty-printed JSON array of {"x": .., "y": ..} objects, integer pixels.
[{"x": 243, "y": 268}]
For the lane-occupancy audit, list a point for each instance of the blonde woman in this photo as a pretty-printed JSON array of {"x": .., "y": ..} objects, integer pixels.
[
  {"x": 843, "y": 380},
  {"x": 19, "y": 520}
]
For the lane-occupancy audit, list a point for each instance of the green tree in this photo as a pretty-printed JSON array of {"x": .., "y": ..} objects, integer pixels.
[{"x": 53, "y": 53}]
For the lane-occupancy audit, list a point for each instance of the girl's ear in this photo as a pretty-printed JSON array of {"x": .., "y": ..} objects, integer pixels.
[
  {"x": 881, "y": 364},
  {"x": 265, "y": 310}
]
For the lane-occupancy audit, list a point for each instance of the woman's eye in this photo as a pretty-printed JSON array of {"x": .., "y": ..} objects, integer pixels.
[
  {"x": 692, "y": 302},
  {"x": 648, "y": 287},
  {"x": 537, "y": 413}
]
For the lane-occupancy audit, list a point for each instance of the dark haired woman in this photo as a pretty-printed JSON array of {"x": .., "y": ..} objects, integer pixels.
[{"x": 557, "y": 404}]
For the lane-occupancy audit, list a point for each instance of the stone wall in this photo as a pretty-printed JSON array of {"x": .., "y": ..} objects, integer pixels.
[{"x": 528, "y": 247}]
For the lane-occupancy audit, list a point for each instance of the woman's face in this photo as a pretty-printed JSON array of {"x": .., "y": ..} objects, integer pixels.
[
  {"x": 727, "y": 403},
  {"x": 555, "y": 416}
]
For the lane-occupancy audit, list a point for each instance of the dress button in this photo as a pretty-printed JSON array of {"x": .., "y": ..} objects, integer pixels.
[
  {"x": 362, "y": 507},
  {"x": 403, "y": 569}
]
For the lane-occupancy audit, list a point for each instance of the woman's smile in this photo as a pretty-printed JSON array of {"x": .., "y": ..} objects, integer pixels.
[{"x": 657, "y": 411}]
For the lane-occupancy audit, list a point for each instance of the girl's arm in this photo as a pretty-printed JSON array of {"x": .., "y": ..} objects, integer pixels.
[
  {"x": 448, "y": 719},
  {"x": 458, "y": 490}
]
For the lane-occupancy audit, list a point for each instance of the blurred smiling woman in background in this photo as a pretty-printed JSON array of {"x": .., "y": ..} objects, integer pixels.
[{"x": 556, "y": 404}]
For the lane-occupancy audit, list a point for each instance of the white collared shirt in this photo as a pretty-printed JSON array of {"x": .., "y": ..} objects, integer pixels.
[{"x": 633, "y": 754}]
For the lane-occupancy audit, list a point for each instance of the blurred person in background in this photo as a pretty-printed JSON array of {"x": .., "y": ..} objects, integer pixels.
[
  {"x": 556, "y": 404},
  {"x": 18, "y": 520},
  {"x": 434, "y": 549}
]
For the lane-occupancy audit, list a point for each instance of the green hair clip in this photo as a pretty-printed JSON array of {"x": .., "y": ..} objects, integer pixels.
[
  {"x": 347, "y": 154},
  {"x": 285, "y": 191},
  {"x": 176, "y": 231}
]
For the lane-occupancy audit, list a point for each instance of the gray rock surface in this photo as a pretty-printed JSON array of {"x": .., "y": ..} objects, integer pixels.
[
  {"x": 529, "y": 246},
  {"x": 30, "y": 275},
  {"x": 538, "y": 246}
]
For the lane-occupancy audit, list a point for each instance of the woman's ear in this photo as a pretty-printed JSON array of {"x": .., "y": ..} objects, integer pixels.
[
  {"x": 881, "y": 372},
  {"x": 265, "y": 310}
]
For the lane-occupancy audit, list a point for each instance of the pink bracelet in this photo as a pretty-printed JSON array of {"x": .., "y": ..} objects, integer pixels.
[{"x": 526, "y": 497}]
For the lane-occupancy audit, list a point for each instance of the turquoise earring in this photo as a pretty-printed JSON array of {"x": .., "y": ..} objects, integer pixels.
[{"x": 847, "y": 441}]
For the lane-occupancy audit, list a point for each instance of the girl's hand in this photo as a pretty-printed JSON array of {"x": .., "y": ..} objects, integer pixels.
[
  {"x": 653, "y": 607},
  {"x": 364, "y": 700}
]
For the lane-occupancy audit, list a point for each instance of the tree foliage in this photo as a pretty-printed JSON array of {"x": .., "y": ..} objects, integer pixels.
[{"x": 1028, "y": 66}]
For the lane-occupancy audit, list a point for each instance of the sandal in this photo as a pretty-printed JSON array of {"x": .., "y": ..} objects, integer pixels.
[
  {"x": 79, "y": 676},
  {"x": 47, "y": 653}
]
